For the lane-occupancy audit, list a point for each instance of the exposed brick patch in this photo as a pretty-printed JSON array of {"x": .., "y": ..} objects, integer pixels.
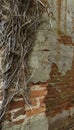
[
  {"x": 15, "y": 105},
  {"x": 65, "y": 39},
  {"x": 35, "y": 111},
  {"x": 60, "y": 94},
  {"x": 38, "y": 93},
  {"x": 55, "y": 97},
  {"x": 19, "y": 112},
  {"x": 18, "y": 122},
  {"x": 44, "y": 84},
  {"x": 33, "y": 102}
]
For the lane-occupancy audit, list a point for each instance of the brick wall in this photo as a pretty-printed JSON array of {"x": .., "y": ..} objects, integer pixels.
[
  {"x": 45, "y": 98},
  {"x": 52, "y": 88}
]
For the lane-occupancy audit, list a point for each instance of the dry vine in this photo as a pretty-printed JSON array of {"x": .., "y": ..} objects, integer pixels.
[{"x": 19, "y": 20}]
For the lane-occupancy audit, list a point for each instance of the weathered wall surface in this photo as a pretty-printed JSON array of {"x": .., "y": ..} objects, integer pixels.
[
  {"x": 55, "y": 46},
  {"x": 51, "y": 64}
]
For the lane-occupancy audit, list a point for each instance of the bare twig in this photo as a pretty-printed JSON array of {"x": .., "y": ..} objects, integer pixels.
[{"x": 18, "y": 24}]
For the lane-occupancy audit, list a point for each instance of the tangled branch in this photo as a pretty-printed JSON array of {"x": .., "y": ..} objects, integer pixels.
[{"x": 19, "y": 21}]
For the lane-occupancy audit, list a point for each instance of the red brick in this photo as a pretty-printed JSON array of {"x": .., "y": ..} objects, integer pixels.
[
  {"x": 17, "y": 104},
  {"x": 18, "y": 122},
  {"x": 18, "y": 96},
  {"x": 42, "y": 101},
  {"x": 38, "y": 93},
  {"x": 8, "y": 116},
  {"x": 35, "y": 111},
  {"x": 44, "y": 84},
  {"x": 33, "y": 102},
  {"x": 19, "y": 112}
]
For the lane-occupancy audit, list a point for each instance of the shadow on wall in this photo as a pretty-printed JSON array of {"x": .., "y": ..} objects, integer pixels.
[{"x": 60, "y": 97}]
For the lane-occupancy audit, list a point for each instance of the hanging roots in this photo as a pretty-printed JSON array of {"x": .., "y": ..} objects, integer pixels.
[{"x": 19, "y": 20}]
